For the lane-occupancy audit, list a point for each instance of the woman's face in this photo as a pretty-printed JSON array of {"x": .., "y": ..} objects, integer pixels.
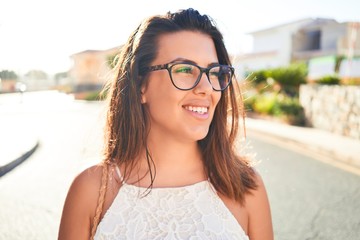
[{"x": 184, "y": 115}]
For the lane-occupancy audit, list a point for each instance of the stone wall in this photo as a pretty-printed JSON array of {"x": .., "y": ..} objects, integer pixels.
[{"x": 332, "y": 108}]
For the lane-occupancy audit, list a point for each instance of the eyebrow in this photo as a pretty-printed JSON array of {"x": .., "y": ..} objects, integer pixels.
[{"x": 185, "y": 60}]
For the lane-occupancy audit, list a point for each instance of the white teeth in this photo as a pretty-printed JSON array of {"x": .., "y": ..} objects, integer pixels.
[{"x": 201, "y": 110}]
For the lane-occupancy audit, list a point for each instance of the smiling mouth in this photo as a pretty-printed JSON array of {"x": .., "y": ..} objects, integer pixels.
[{"x": 199, "y": 110}]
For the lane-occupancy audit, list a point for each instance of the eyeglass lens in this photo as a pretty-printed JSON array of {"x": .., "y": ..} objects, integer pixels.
[{"x": 185, "y": 76}]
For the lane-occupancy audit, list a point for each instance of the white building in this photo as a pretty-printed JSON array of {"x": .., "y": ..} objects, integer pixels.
[{"x": 302, "y": 40}]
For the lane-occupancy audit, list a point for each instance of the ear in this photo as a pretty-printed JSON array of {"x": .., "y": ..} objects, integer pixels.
[{"x": 143, "y": 95}]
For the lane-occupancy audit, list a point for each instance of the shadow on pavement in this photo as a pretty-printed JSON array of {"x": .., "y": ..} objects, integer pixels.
[{"x": 11, "y": 165}]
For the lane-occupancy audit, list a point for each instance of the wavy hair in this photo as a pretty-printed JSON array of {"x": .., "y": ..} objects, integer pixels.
[{"x": 127, "y": 123}]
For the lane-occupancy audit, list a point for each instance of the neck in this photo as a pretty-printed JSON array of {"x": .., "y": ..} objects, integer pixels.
[{"x": 177, "y": 163}]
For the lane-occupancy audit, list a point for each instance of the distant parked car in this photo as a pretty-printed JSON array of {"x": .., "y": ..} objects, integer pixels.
[{"x": 20, "y": 87}]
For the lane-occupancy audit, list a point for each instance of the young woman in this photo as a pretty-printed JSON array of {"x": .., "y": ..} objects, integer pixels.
[{"x": 170, "y": 170}]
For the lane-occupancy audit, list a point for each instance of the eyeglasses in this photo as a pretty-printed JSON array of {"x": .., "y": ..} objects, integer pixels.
[{"x": 185, "y": 76}]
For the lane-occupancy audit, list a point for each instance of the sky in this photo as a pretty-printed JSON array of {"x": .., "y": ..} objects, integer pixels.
[{"x": 43, "y": 34}]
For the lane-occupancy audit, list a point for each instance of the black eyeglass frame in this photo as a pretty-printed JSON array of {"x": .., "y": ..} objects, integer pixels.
[{"x": 168, "y": 67}]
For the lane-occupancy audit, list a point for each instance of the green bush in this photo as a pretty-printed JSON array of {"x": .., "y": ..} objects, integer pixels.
[
  {"x": 249, "y": 102},
  {"x": 265, "y": 104},
  {"x": 95, "y": 96},
  {"x": 277, "y": 105},
  {"x": 292, "y": 109},
  {"x": 290, "y": 78},
  {"x": 281, "y": 79},
  {"x": 260, "y": 80},
  {"x": 258, "y": 77},
  {"x": 329, "y": 80}
]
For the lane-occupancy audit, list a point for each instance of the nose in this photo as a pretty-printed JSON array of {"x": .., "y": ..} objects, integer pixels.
[{"x": 204, "y": 86}]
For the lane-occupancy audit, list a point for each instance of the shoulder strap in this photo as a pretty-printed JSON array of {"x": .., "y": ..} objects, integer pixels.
[{"x": 119, "y": 174}]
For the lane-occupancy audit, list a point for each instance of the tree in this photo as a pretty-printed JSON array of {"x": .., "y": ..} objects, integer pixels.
[
  {"x": 36, "y": 74},
  {"x": 60, "y": 75},
  {"x": 8, "y": 75}
]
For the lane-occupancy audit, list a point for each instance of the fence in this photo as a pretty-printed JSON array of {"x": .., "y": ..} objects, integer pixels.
[{"x": 333, "y": 108}]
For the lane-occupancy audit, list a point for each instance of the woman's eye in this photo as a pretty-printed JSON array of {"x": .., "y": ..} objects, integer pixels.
[
  {"x": 214, "y": 74},
  {"x": 183, "y": 70}
]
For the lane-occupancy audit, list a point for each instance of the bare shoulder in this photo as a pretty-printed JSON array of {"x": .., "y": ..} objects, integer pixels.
[
  {"x": 88, "y": 177},
  {"x": 258, "y": 208},
  {"x": 85, "y": 187},
  {"x": 80, "y": 204}
]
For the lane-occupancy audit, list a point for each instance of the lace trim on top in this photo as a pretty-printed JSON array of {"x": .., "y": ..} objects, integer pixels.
[{"x": 190, "y": 212}]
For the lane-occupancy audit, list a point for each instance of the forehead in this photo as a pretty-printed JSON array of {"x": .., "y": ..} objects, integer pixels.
[{"x": 191, "y": 45}]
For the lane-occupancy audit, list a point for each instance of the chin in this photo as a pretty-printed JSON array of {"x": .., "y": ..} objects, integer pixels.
[{"x": 200, "y": 136}]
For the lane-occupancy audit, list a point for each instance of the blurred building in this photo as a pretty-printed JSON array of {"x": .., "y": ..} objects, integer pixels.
[
  {"x": 319, "y": 42},
  {"x": 7, "y": 85},
  {"x": 91, "y": 69}
]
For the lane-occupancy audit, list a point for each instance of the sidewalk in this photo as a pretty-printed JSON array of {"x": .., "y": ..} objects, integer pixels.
[
  {"x": 16, "y": 145},
  {"x": 18, "y": 139},
  {"x": 338, "y": 148}
]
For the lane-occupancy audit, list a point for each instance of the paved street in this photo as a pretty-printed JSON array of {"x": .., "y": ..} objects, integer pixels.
[
  {"x": 32, "y": 195},
  {"x": 309, "y": 199}
]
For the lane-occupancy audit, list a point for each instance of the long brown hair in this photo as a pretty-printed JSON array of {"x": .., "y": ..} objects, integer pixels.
[{"x": 127, "y": 124}]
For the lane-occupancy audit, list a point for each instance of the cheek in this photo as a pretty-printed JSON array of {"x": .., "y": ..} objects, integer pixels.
[
  {"x": 216, "y": 97},
  {"x": 155, "y": 88},
  {"x": 161, "y": 100}
]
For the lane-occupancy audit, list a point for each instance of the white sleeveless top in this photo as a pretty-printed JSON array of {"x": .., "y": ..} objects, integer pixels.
[{"x": 190, "y": 212}]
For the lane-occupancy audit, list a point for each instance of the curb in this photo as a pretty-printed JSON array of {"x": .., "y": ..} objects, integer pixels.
[
  {"x": 13, "y": 164},
  {"x": 325, "y": 144}
]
